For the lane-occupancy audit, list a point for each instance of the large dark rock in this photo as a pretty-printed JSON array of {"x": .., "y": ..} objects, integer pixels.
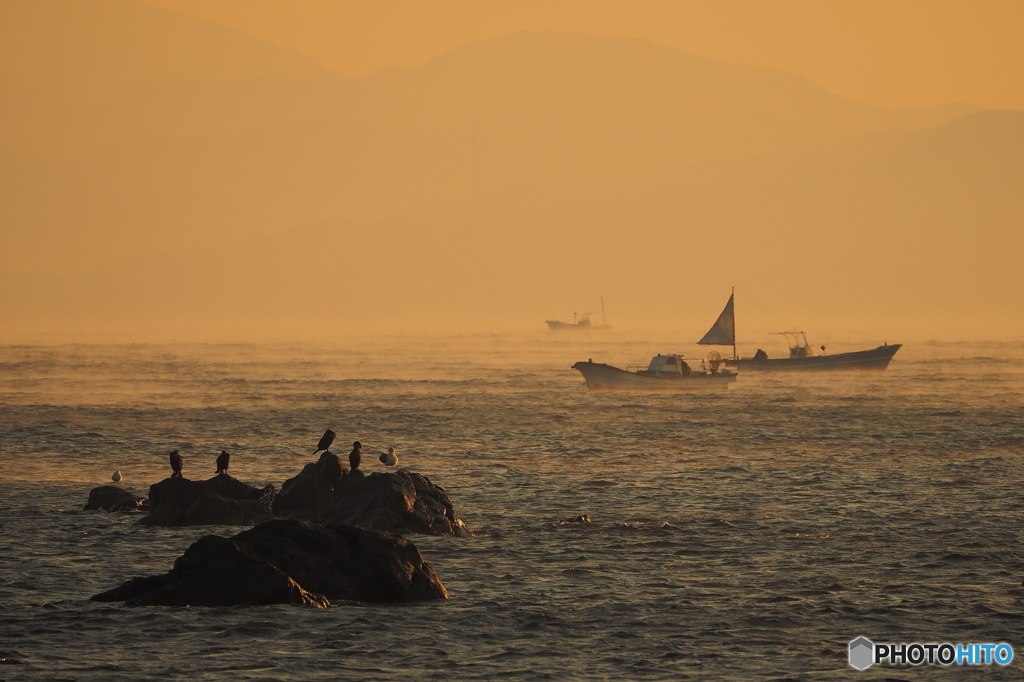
[
  {"x": 311, "y": 489},
  {"x": 289, "y": 562},
  {"x": 401, "y": 502},
  {"x": 221, "y": 500},
  {"x": 113, "y": 498}
]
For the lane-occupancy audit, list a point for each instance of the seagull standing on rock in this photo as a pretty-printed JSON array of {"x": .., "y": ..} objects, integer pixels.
[
  {"x": 116, "y": 478},
  {"x": 389, "y": 458},
  {"x": 325, "y": 441}
]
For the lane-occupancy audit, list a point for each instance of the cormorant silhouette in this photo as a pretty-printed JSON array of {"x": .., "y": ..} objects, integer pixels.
[
  {"x": 222, "y": 462},
  {"x": 356, "y": 456},
  {"x": 325, "y": 441},
  {"x": 332, "y": 470},
  {"x": 176, "y": 463}
]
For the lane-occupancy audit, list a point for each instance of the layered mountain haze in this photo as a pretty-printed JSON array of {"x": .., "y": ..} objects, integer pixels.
[
  {"x": 500, "y": 181},
  {"x": 830, "y": 234},
  {"x": 85, "y": 52}
]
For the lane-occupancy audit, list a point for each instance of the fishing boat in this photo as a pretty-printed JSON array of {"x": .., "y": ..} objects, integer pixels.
[
  {"x": 664, "y": 373},
  {"x": 558, "y": 326},
  {"x": 578, "y": 324},
  {"x": 802, "y": 355}
]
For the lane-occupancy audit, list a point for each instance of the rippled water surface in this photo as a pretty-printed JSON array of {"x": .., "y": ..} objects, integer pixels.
[{"x": 748, "y": 533}]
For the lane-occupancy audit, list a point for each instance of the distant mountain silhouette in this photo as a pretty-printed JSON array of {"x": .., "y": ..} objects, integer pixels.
[
  {"x": 155, "y": 164},
  {"x": 240, "y": 138},
  {"x": 82, "y": 52},
  {"x": 833, "y": 232}
]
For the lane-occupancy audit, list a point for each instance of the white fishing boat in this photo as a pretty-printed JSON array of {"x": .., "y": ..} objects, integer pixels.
[
  {"x": 664, "y": 373},
  {"x": 802, "y": 355}
]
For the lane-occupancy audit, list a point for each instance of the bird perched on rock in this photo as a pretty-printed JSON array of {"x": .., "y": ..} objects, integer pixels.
[
  {"x": 389, "y": 458},
  {"x": 176, "y": 462},
  {"x": 222, "y": 462},
  {"x": 116, "y": 478},
  {"x": 356, "y": 456},
  {"x": 325, "y": 441},
  {"x": 331, "y": 470}
]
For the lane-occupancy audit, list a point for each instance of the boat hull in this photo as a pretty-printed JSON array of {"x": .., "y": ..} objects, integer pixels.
[
  {"x": 557, "y": 326},
  {"x": 874, "y": 359},
  {"x": 601, "y": 377}
]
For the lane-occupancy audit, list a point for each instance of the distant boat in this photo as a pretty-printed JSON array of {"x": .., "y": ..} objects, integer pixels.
[
  {"x": 802, "y": 355},
  {"x": 664, "y": 373},
  {"x": 579, "y": 324}
]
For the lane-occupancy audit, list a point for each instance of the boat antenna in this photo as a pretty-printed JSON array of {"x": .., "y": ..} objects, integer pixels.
[{"x": 788, "y": 324}]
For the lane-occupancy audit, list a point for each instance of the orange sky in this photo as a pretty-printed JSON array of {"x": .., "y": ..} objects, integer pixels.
[
  {"x": 893, "y": 53},
  {"x": 164, "y": 167}
]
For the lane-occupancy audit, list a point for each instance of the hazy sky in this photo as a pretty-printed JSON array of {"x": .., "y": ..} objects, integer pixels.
[
  {"x": 179, "y": 164},
  {"x": 892, "y": 53}
]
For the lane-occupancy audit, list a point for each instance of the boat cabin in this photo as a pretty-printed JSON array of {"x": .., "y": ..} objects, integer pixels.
[
  {"x": 798, "y": 346},
  {"x": 667, "y": 364}
]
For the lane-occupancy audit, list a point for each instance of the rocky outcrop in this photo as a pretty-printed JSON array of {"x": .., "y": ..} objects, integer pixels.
[
  {"x": 311, "y": 489},
  {"x": 113, "y": 498},
  {"x": 401, "y": 502},
  {"x": 289, "y": 562},
  {"x": 221, "y": 500}
]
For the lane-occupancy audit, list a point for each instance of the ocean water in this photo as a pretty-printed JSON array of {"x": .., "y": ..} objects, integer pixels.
[{"x": 741, "y": 534}]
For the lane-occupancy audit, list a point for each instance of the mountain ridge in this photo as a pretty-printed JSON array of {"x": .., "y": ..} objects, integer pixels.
[{"x": 783, "y": 216}]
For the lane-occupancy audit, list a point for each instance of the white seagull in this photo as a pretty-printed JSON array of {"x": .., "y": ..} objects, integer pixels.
[
  {"x": 116, "y": 478},
  {"x": 389, "y": 458}
]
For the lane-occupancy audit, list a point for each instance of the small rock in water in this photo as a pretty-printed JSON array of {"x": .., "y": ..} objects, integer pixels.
[{"x": 114, "y": 498}]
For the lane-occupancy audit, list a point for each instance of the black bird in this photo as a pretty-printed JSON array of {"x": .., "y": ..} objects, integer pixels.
[
  {"x": 325, "y": 441},
  {"x": 331, "y": 471},
  {"x": 356, "y": 456},
  {"x": 222, "y": 462},
  {"x": 176, "y": 462}
]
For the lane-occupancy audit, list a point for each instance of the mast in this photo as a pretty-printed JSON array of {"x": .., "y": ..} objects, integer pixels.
[
  {"x": 604, "y": 320},
  {"x": 733, "y": 297}
]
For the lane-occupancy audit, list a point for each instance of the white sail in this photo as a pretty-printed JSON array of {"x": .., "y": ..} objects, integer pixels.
[{"x": 723, "y": 331}]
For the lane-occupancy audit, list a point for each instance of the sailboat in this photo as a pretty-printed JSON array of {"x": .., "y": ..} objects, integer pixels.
[{"x": 802, "y": 355}]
